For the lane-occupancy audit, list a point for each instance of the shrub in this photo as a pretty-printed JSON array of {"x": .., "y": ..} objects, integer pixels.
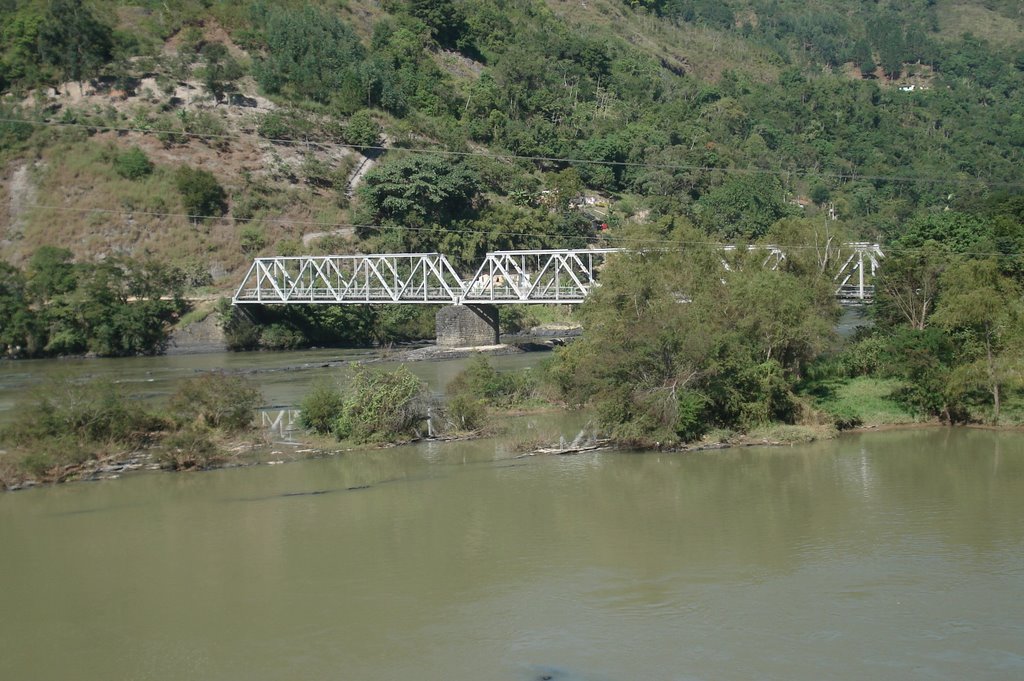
[
  {"x": 362, "y": 130},
  {"x": 480, "y": 381},
  {"x": 96, "y": 412},
  {"x": 463, "y": 413},
  {"x": 284, "y": 126},
  {"x": 252, "y": 239},
  {"x": 691, "y": 417},
  {"x": 382, "y": 405},
  {"x": 865, "y": 357},
  {"x": 320, "y": 408},
  {"x": 200, "y": 192},
  {"x": 845, "y": 418},
  {"x": 133, "y": 164},
  {"x": 216, "y": 400},
  {"x": 281, "y": 337},
  {"x": 206, "y": 126},
  {"x": 240, "y": 331},
  {"x": 317, "y": 172},
  {"x": 190, "y": 448}
]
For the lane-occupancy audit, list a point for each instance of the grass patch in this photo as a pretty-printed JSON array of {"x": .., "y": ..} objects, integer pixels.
[
  {"x": 782, "y": 433},
  {"x": 861, "y": 401},
  {"x": 957, "y": 17},
  {"x": 197, "y": 314}
]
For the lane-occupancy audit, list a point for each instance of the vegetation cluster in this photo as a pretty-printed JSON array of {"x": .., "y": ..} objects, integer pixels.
[
  {"x": 68, "y": 428},
  {"x": 380, "y": 405},
  {"x": 679, "y": 124},
  {"x": 374, "y": 406},
  {"x": 118, "y": 307},
  {"x": 796, "y": 105},
  {"x": 676, "y": 346}
]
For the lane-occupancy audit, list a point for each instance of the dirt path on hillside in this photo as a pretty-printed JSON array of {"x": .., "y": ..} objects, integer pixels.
[{"x": 22, "y": 196}]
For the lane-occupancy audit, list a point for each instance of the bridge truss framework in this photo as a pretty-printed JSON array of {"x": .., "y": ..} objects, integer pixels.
[{"x": 504, "y": 277}]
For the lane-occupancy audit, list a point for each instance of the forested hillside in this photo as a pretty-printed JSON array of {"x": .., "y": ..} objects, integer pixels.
[
  {"x": 730, "y": 114},
  {"x": 205, "y": 133}
]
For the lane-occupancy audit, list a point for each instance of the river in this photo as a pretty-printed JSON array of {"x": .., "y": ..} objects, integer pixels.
[{"x": 891, "y": 555}]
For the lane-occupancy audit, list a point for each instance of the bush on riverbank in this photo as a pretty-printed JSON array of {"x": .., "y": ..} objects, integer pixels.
[
  {"x": 320, "y": 408},
  {"x": 660, "y": 374},
  {"x": 479, "y": 387},
  {"x": 376, "y": 406},
  {"x": 481, "y": 381},
  {"x": 82, "y": 414},
  {"x": 215, "y": 400},
  {"x": 192, "y": 447},
  {"x": 66, "y": 424}
]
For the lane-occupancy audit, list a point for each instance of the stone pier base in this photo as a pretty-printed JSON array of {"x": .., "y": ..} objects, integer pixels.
[{"x": 461, "y": 326}]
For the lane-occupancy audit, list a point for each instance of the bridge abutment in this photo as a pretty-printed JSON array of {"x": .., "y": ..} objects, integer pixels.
[{"x": 460, "y": 326}]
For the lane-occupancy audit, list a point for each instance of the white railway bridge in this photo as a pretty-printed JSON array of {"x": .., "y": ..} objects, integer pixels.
[{"x": 554, "y": 276}]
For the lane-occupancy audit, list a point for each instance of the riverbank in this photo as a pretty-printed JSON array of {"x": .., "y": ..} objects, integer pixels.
[
  {"x": 255, "y": 451},
  {"x": 864, "y": 402}
]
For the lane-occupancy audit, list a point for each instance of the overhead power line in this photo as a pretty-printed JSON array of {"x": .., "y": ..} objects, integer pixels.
[
  {"x": 778, "y": 172},
  {"x": 638, "y": 243}
]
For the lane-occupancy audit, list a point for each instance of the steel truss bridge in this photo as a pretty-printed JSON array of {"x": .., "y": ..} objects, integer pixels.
[{"x": 504, "y": 277}]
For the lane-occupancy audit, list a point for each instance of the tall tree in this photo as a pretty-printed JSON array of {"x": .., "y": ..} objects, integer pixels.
[
  {"x": 985, "y": 309},
  {"x": 908, "y": 285},
  {"x": 74, "y": 40}
]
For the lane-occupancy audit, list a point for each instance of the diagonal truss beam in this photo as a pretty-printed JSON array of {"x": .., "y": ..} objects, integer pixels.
[
  {"x": 862, "y": 262},
  {"x": 377, "y": 278},
  {"x": 535, "y": 276}
]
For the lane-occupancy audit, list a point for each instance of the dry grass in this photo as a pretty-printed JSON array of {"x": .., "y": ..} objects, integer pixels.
[
  {"x": 701, "y": 51},
  {"x": 84, "y": 204},
  {"x": 957, "y": 17}
]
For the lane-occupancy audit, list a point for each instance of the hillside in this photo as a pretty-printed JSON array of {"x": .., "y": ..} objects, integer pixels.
[{"x": 730, "y": 115}]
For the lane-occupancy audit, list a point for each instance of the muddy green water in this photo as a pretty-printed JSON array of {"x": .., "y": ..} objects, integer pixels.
[{"x": 894, "y": 555}]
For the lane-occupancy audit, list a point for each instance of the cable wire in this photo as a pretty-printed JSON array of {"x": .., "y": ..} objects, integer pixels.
[{"x": 842, "y": 177}]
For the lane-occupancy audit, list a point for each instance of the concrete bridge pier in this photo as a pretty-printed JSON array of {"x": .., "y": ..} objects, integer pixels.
[{"x": 460, "y": 326}]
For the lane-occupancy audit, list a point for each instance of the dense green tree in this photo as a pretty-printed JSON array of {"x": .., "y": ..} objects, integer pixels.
[
  {"x": 744, "y": 207},
  {"x": 418, "y": 190},
  {"x": 310, "y": 53},
  {"x": 201, "y": 194},
  {"x": 952, "y": 231},
  {"x": 18, "y": 333},
  {"x": 863, "y": 58},
  {"x": 984, "y": 308},
  {"x": 51, "y": 272},
  {"x": 446, "y": 21},
  {"x": 925, "y": 360},
  {"x": 74, "y": 40}
]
